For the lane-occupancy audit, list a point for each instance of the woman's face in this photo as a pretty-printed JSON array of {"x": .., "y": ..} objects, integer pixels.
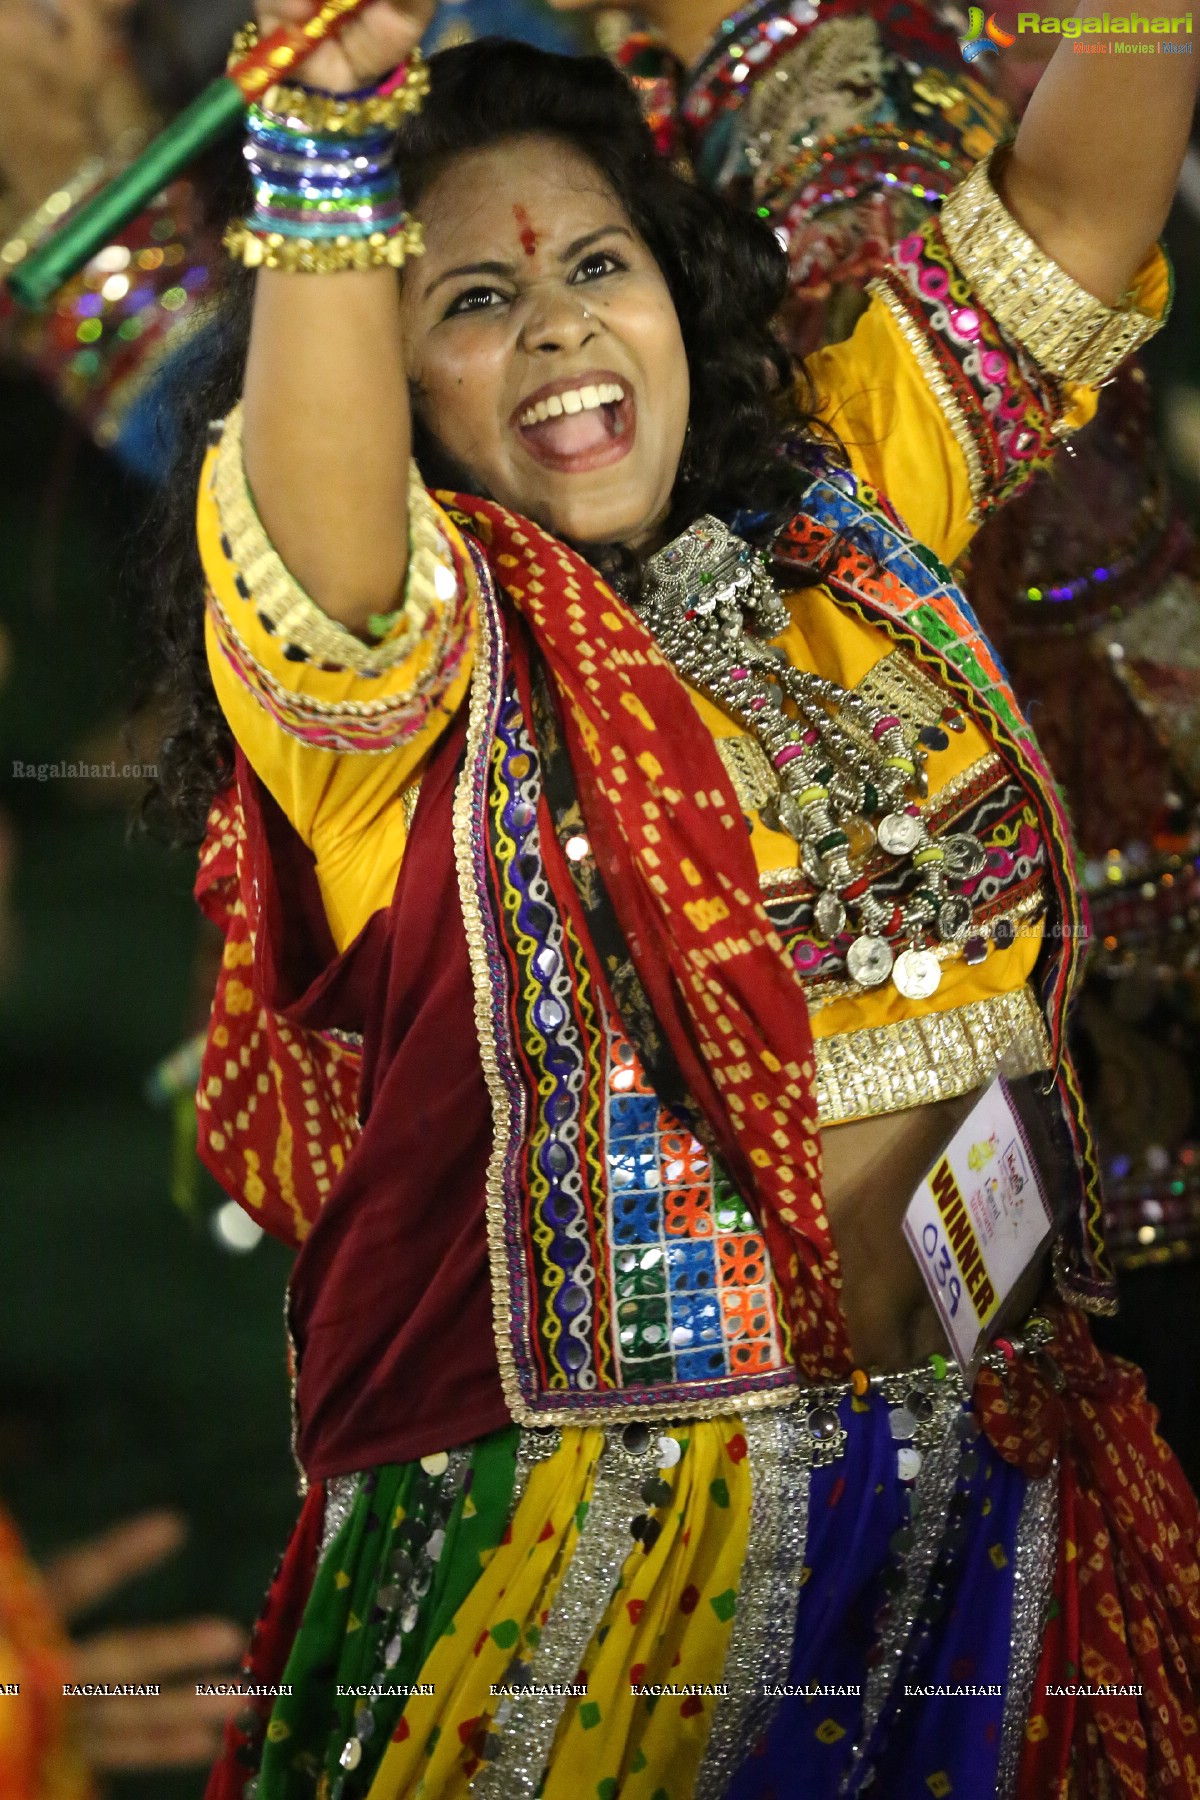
[{"x": 543, "y": 346}]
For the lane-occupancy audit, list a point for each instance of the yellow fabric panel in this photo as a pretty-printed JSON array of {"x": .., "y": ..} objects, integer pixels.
[
  {"x": 871, "y": 390},
  {"x": 670, "y": 1618},
  {"x": 896, "y": 436},
  {"x": 347, "y": 808},
  {"x": 1000, "y": 972}
]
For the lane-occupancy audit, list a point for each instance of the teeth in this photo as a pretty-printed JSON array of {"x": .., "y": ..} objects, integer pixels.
[{"x": 575, "y": 400}]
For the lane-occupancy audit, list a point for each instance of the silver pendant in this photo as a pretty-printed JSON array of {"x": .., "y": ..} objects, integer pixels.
[
  {"x": 790, "y": 817},
  {"x": 965, "y": 856},
  {"x": 899, "y": 833},
  {"x": 954, "y": 918},
  {"x": 812, "y": 864},
  {"x": 869, "y": 961},
  {"x": 917, "y": 974},
  {"x": 829, "y": 915}
]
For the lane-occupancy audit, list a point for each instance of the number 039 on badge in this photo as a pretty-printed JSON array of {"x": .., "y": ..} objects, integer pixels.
[{"x": 977, "y": 1221}]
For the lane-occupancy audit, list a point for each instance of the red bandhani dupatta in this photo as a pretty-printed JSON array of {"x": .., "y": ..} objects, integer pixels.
[
  {"x": 1116, "y": 1699},
  {"x": 668, "y": 833}
]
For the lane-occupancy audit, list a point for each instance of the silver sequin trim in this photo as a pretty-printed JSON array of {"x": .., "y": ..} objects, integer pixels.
[
  {"x": 533, "y": 1446},
  {"x": 768, "y": 1593},
  {"x": 600, "y": 1553},
  {"x": 341, "y": 1491},
  {"x": 941, "y": 1448},
  {"x": 1033, "y": 1575}
]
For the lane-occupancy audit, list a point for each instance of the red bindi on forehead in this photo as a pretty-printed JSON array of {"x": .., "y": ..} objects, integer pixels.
[{"x": 528, "y": 236}]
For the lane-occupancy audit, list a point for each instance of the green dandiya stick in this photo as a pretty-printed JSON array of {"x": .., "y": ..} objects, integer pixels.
[{"x": 217, "y": 110}]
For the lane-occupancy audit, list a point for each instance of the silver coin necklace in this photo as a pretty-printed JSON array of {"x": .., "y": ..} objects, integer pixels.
[{"x": 851, "y": 775}]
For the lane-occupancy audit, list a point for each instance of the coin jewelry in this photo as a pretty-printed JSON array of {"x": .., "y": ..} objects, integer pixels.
[{"x": 850, "y": 774}]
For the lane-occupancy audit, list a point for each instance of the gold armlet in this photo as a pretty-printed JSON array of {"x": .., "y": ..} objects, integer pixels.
[{"x": 1066, "y": 330}]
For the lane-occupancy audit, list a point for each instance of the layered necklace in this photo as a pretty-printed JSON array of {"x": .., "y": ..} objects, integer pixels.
[{"x": 851, "y": 775}]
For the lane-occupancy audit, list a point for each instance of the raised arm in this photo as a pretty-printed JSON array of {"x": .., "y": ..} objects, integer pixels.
[
  {"x": 1094, "y": 165},
  {"x": 326, "y": 416}
]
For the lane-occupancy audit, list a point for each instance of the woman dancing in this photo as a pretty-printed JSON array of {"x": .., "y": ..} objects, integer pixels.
[{"x": 633, "y": 865}]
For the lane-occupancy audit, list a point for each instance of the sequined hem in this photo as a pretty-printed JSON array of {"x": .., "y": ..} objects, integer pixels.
[
  {"x": 942, "y": 1449},
  {"x": 576, "y": 1613},
  {"x": 341, "y": 1491},
  {"x": 914, "y": 1062},
  {"x": 772, "y": 1576},
  {"x": 305, "y": 633},
  {"x": 1033, "y": 1575},
  {"x": 1066, "y": 330},
  {"x": 783, "y": 1451}
]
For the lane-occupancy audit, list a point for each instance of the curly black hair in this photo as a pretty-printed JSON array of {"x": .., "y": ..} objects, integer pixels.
[{"x": 752, "y": 415}]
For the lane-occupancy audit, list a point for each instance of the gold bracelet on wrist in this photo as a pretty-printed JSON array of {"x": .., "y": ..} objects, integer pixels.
[
  {"x": 245, "y": 39},
  {"x": 327, "y": 113},
  {"x": 1065, "y": 329},
  {"x": 324, "y": 256}
]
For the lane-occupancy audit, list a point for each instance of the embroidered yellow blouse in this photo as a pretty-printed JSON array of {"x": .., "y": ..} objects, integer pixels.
[{"x": 338, "y": 730}]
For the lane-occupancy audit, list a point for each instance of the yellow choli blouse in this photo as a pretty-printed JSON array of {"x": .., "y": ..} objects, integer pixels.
[{"x": 318, "y": 737}]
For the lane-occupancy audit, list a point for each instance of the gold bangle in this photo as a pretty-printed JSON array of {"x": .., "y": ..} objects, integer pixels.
[
  {"x": 324, "y": 256},
  {"x": 351, "y": 118},
  {"x": 245, "y": 39},
  {"x": 1066, "y": 330}
]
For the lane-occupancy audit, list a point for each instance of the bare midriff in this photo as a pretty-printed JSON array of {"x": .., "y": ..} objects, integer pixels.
[{"x": 871, "y": 1167}]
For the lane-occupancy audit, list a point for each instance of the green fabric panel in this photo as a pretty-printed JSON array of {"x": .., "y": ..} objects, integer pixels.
[{"x": 344, "y": 1634}]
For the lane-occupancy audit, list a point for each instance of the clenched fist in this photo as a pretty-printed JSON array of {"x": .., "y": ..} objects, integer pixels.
[{"x": 364, "y": 50}]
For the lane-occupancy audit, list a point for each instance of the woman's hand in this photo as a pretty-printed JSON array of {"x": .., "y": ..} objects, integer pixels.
[
  {"x": 67, "y": 91},
  {"x": 364, "y": 50},
  {"x": 177, "y": 1728},
  {"x": 327, "y": 426}
]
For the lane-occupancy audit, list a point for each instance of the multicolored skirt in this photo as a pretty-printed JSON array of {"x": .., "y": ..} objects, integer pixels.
[{"x": 802, "y": 1602}]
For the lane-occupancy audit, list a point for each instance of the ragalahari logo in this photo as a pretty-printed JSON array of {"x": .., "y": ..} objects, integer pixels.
[{"x": 984, "y": 37}]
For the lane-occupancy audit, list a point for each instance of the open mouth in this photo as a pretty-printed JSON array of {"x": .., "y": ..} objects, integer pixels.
[{"x": 581, "y": 422}]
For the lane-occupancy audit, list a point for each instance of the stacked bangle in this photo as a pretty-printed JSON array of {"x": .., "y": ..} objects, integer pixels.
[{"x": 326, "y": 189}]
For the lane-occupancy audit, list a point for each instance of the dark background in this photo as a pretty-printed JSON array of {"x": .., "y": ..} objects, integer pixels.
[{"x": 140, "y": 1364}]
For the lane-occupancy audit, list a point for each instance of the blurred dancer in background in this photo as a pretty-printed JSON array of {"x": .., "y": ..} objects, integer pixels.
[
  {"x": 53, "y": 1746},
  {"x": 83, "y": 85}
]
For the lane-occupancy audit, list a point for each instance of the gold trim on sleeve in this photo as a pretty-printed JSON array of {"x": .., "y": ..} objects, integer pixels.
[
  {"x": 914, "y": 1062},
  {"x": 282, "y": 605},
  {"x": 1066, "y": 330},
  {"x": 936, "y": 382}
]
